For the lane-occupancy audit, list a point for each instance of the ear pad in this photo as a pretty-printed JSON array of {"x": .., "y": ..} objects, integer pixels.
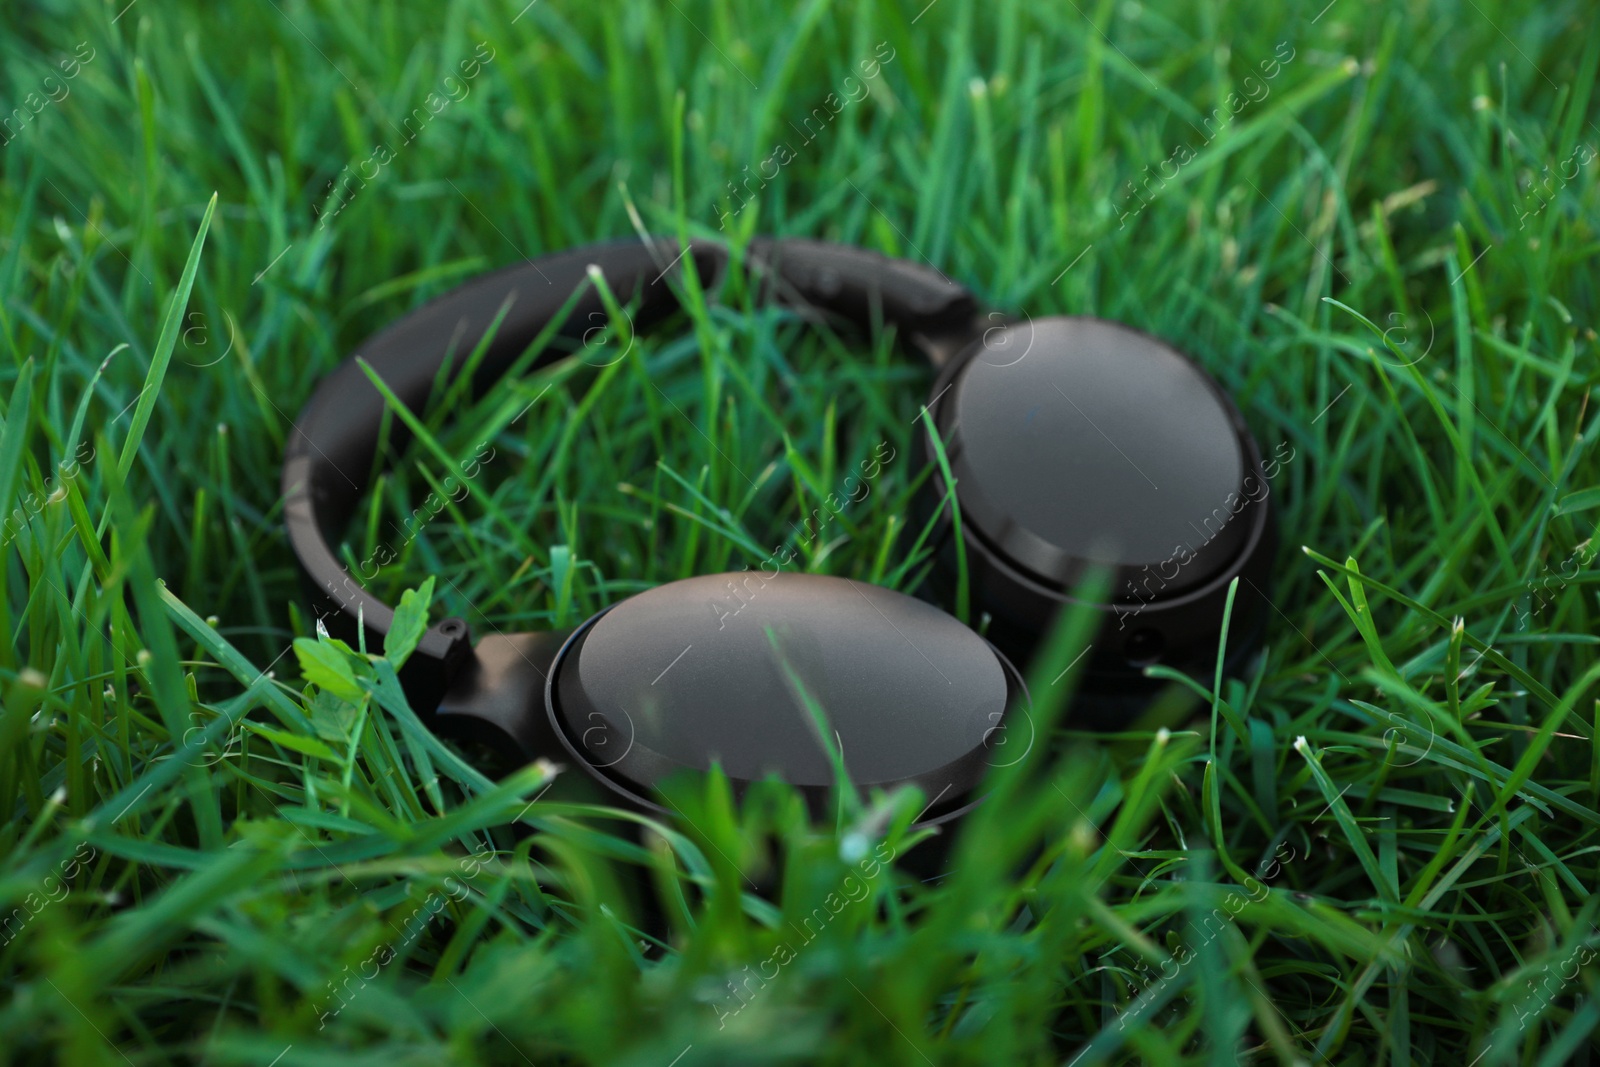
[
  {"x": 771, "y": 675},
  {"x": 1076, "y": 441}
]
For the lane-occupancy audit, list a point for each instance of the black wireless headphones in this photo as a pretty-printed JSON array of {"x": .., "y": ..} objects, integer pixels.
[{"x": 1071, "y": 441}]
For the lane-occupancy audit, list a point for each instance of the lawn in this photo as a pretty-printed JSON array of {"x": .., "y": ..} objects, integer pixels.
[{"x": 1376, "y": 224}]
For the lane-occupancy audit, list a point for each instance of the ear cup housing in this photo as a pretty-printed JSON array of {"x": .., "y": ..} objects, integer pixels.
[
  {"x": 790, "y": 675},
  {"x": 1076, "y": 442}
]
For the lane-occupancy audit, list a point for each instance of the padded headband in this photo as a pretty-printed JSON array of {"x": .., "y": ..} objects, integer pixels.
[{"x": 333, "y": 449}]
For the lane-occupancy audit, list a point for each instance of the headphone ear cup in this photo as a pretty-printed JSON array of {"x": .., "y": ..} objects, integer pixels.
[
  {"x": 1102, "y": 446},
  {"x": 789, "y": 675}
]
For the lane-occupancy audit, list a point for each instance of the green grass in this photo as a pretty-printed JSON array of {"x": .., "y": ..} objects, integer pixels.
[{"x": 1377, "y": 848}]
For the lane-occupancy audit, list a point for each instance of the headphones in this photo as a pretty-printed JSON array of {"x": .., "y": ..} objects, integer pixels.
[{"x": 1069, "y": 442}]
